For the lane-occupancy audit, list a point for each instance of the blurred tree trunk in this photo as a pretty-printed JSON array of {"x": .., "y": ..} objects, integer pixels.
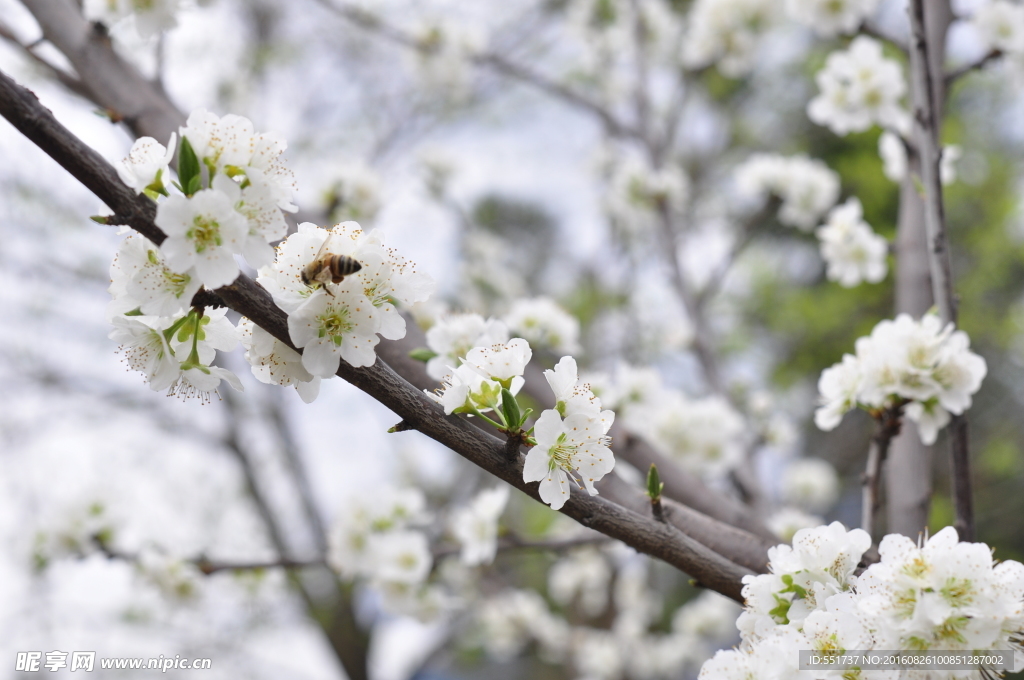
[{"x": 909, "y": 468}]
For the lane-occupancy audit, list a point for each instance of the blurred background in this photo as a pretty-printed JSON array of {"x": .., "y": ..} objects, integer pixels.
[{"x": 572, "y": 152}]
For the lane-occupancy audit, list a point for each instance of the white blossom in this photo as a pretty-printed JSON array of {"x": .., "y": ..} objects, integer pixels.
[
  {"x": 920, "y": 362},
  {"x": 572, "y": 395},
  {"x": 352, "y": 549},
  {"x": 585, "y": 574},
  {"x": 329, "y": 328},
  {"x": 145, "y": 348},
  {"x": 141, "y": 280},
  {"x": 355, "y": 193},
  {"x": 831, "y": 17},
  {"x": 705, "y": 435},
  {"x": 806, "y": 186},
  {"x": 454, "y": 335},
  {"x": 726, "y": 32},
  {"x": 811, "y": 484},
  {"x": 275, "y": 363},
  {"x": 1000, "y": 25},
  {"x": 637, "y": 191},
  {"x": 943, "y": 595},
  {"x": 786, "y": 521},
  {"x": 576, "y": 449},
  {"x": 399, "y": 557},
  {"x": 859, "y": 88},
  {"x": 231, "y": 145},
  {"x": 852, "y": 251},
  {"x": 542, "y": 323},
  {"x": 502, "y": 362},
  {"x": 476, "y": 526},
  {"x": 204, "y": 232},
  {"x": 148, "y": 163},
  {"x": 384, "y": 277}
]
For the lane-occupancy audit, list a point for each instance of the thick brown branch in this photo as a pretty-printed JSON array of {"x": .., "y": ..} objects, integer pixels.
[{"x": 379, "y": 381}]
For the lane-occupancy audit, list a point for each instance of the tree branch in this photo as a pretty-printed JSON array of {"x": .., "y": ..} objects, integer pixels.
[
  {"x": 954, "y": 75},
  {"x": 889, "y": 423},
  {"x": 379, "y": 381},
  {"x": 492, "y": 60},
  {"x": 926, "y": 119}
]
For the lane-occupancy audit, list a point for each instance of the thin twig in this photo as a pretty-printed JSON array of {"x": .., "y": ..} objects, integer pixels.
[
  {"x": 926, "y": 119},
  {"x": 513, "y": 543},
  {"x": 957, "y": 73},
  {"x": 493, "y": 60},
  {"x": 889, "y": 422}
]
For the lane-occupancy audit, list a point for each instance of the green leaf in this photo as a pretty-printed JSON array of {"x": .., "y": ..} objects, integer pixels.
[
  {"x": 423, "y": 354},
  {"x": 654, "y": 483},
  {"x": 101, "y": 219},
  {"x": 189, "y": 172},
  {"x": 510, "y": 408}
]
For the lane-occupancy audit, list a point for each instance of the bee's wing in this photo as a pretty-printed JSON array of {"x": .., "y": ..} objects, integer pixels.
[{"x": 325, "y": 246}]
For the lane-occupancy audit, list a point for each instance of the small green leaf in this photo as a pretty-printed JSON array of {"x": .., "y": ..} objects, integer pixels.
[
  {"x": 510, "y": 407},
  {"x": 423, "y": 354},
  {"x": 189, "y": 173},
  {"x": 195, "y": 185},
  {"x": 101, "y": 219},
  {"x": 654, "y": 483}
]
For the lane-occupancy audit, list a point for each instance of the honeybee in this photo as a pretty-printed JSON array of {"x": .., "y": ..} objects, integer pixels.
[{"x": 328, "y": 267}]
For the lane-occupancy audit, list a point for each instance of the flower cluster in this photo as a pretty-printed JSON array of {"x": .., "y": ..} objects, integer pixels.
[
  {"x": 852, "y": 251},
  {"x": 637, "y": 192},
  {"x": 726, "y": 32},
  {"x": 928, "y": 368},
  {"x": 156, "y": 330},
  {"x": 572, "y": 439},
  {"x": 859, "y": 88},
  {"x": 1000, "y": 25},
  {"x": 381, "y": 539},
  {"x": 453, "y": 335},
  {"x": 543, "y": 323},
  {"x": 706, "y": 436},
  {"x": 476, "y": 385},
  {"x": 334, "y": 321},
  {"x": 829, "y": 18},
  {"x": 807, "y": 187},
  {"x": 586, "y": 583},
  {"x": 942, "y": 595},
  {"x": 476, "y": 525}
]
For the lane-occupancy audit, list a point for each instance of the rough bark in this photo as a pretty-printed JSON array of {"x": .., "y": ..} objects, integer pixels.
[{"x": 908, "y": 473}]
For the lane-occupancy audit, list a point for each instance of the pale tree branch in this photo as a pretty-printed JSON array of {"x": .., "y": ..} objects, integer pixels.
[
  {"x": 926, "y": 120},
  {"x": 379, "y": 381},
  {"x": 496, "y": 62},
  {"x": 350, "y": 642},
  {"x": 703, "y": 347},
  {"x": 111, "y": 82},
  {"x": 66, "y": 79},
  {"x": 888, "y": 426}
]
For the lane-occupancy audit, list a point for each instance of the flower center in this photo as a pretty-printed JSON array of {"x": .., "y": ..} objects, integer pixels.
[
  {"x": 561, "y": 454},
  {"x": 334, "y": 323},
  {"x": 175, "y": 283},
  {"x": 205, "y": 233}
]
